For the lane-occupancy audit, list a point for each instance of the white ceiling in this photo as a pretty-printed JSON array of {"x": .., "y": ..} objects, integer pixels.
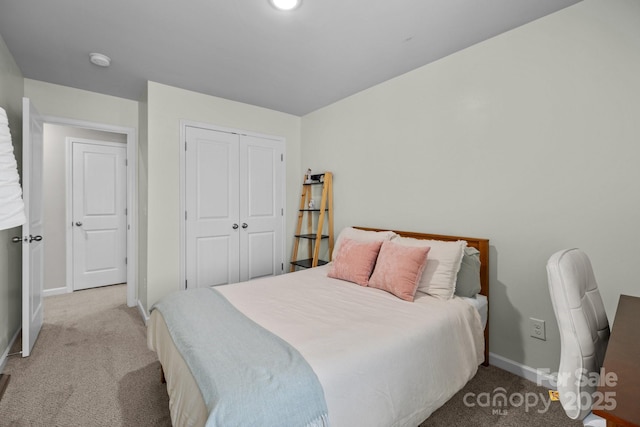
[{"x": 245, "y": 50}]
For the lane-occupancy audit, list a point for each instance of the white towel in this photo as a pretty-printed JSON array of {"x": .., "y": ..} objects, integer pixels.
[{"x": 11, "y": 205}]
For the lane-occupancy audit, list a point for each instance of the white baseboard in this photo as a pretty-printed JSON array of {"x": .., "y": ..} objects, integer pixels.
[
  {"x": 55, "y": 291},
  {"x": 5, "y": 354},
  {"x": 143, "y": 312},
  {"x": 541, "y": 377}
]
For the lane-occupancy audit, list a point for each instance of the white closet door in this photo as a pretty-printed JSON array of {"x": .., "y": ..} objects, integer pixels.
[
  {"x": 212, "y": 188},
  {"x": 261, "y": 202}
]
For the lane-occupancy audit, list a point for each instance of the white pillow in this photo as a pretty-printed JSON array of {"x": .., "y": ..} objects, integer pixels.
[
  {"x": 443, "y": 263},
  {"x": 362, "y": 236}
]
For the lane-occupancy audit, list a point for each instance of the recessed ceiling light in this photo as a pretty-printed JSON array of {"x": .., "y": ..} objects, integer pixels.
[
  {"x": 285, "y": 4},
  {"x": 100, "y": 59}
]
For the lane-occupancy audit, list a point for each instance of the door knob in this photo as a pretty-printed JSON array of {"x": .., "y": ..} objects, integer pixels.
[
  {"x": 79, "y": 224},
  {"x": 235, "y": 226},
  {"x": 36, "y": 238},
  {"x": 244, "y": 225},
  {"x": 16, "y": 239}
]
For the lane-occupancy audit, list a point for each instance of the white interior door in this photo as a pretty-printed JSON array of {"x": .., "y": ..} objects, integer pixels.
[
  {"x": 212, "y": 211},
  {"x": 32, "y": 243},
  {"x": 261, "y": 207},
  {"x": 99, "y": 214}
]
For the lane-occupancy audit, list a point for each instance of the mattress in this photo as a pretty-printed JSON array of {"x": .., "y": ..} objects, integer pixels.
[
  {"x": 381, "y": 361},
  {"x": 481, "y": 304}
]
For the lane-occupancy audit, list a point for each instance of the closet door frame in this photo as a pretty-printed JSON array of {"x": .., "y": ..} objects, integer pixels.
[{"x": 183, "y": 165}]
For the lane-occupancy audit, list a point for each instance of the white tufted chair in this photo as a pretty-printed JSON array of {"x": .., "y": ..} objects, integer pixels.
[{"x": 584, "y": 330}]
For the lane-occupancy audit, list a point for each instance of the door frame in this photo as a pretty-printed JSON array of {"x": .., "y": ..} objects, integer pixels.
[
  {"x": 132, "y": 196},
  {"x": 69, "y": 196},
  {"x": 183, "y": 168}
]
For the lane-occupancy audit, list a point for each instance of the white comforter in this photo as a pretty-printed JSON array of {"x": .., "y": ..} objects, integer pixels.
[{"x": 381, "y": 361}]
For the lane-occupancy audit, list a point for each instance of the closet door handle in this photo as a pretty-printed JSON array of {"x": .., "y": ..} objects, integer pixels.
[
  {"x": 235, "y": 226},
  {"x": 244, "y": 225},
  {"x": 78, "y": 224}
]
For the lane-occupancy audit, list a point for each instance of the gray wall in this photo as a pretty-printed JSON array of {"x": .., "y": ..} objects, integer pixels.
[
  {"x": 529, "y": 139},
  {"x": 143, "y": 156}
]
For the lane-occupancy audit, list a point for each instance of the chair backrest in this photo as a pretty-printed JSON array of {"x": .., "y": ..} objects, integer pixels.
[{"x": 584, "y": 329}]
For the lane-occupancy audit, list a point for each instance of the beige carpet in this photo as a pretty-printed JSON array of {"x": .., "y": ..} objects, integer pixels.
[
  {"x": 473, "y": 406},
  {"x": 91, "y": 367}
]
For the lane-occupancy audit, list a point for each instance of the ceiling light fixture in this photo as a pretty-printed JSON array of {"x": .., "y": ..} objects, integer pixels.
[
  {"x": 100, "y": 59},
  {"x": 285, "y": 4}
]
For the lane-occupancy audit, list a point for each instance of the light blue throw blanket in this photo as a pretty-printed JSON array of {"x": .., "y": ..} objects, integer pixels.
[{"x": 247, "y": 375}]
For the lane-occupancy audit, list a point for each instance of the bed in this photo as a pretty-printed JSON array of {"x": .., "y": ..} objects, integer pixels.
[{"x": 380, "y": 360}]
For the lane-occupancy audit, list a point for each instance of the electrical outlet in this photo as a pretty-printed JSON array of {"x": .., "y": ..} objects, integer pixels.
[{"x": 537, "y": 329}]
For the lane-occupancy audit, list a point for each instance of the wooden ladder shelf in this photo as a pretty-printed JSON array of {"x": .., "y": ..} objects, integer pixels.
[{"x": 324, "y": 212}]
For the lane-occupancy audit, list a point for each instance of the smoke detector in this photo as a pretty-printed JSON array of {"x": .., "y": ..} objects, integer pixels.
[{"x": 100, "y": 59}]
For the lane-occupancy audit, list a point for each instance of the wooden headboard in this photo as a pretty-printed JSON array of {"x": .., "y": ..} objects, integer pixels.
[{"x": 481, "y": 245}]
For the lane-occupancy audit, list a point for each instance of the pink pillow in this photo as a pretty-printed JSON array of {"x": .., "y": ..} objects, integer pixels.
[
  {"x": 354, "y": 261},
  {"x": 399, "y": 268}
]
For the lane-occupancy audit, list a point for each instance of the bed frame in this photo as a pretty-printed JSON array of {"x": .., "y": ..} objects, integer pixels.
[{"x": 481, "y": 245}]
